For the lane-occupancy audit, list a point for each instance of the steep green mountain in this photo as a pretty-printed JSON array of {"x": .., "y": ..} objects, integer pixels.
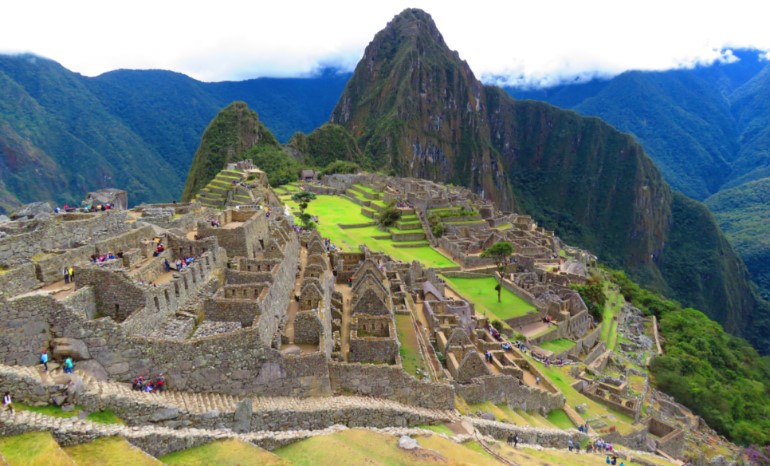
[
  {"x": 326, "y": 144},
  {"x": 234, "y": 130},
  {"x": 692, "y": 122},
  {"x": 57, "y": 141},
  {"x": 417, "y": 109},
  {"x": 63, "y": 134},
  {"x": 415, "y": 106},
  {"x": 706, "y": 128},
  {"x": 743, "y": 214}
]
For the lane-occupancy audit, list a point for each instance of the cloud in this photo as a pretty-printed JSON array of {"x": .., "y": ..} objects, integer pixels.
[{"x": 524, "y": 42}]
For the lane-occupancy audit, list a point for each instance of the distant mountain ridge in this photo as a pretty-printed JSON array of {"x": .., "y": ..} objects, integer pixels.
[
  {"x": 63, "y": 134},
  {"x": 706, "y": 128},
  {"x": 417, "y": 109}
]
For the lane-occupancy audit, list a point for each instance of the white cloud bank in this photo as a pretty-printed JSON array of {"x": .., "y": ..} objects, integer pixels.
[{"x": 524, "y": 42}]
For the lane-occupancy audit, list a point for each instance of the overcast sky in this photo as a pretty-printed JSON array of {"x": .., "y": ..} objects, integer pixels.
[{"x": 533, "y": 41}]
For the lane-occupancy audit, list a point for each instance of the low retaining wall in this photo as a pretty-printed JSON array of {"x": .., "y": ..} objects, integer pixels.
[{"x": 391, "y": 383}]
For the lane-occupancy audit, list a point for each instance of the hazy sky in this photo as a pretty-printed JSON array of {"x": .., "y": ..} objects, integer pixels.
[{"x": 535, "y": 41}]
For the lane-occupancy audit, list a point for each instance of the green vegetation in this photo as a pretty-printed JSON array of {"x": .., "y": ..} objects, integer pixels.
[
  {"x": 409, "y": 350},
  {"x": 389, "y": 216},
  {"x": 302, "y": 199},
  {"x": 104, "y": 416},
  {"x": 558, "y": 345},
  {"x": 481, "y": 291},
  {"x": 279, "y": 165},
  {"x": 340, "y": 166},
  {"x": 109, "y": 451},
  {"x": 718, "y": 376},
  {"x": 326, "y": 145},
  {"x": 223, "y": 453},
  {"x": 500, "y": 253},
  {"x": 560, "y": 419},
  {"x": 33, "y": 449},
  {"x": 593, "y": 296},
  {"x": 742, "y": 212}
]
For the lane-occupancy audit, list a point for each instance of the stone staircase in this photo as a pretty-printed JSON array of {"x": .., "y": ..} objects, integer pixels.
[{"x": 281, "y": 412}]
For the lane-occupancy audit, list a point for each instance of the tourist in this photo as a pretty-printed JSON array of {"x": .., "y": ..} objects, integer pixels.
[
  {"x": 537, "y": 380},
  {"x": 515, "y": 440},
  {"x": 570, "y": 444},
  {"x": 66, "y": 273},
  {"x": 7, "y": 402},
  {"x": 68, "y": 365},
  {"x": 71, "y": 273},
  {"x": 166, "y": 265},
  {"x": 44, "y": 360}
]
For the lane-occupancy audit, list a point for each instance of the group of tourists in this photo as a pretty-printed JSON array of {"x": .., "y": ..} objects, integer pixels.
[
  {"x": 181, "y": 263},
  {"x": 149, "y": 385},
  {"x": 68, "y": 365},
  {"x": 159, "y": 248},
  {"x": 100, "y": 258}
]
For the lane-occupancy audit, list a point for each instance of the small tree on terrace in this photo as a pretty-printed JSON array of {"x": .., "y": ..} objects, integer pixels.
[
  {"x": 499, "y": 252},
  {"x": 302, "y": 199}
]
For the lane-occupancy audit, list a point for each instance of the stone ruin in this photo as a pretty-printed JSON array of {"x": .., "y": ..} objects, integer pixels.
[{"x": 262, "y": 311}]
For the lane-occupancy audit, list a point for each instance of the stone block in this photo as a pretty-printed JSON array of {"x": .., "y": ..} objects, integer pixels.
[{"x": 70, "y": 347}]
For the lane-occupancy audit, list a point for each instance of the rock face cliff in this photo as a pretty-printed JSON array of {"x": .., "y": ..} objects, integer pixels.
[{"x": 415, "y": 107}]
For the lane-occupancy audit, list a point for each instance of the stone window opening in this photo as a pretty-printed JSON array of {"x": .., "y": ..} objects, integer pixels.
[
  {"x": 157, "y": 303},
  {"x": 168, "y": 300},
  {"x": 176, "y": 289}
]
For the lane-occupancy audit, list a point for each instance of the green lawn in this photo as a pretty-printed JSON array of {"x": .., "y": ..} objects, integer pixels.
[
  {"x": 610, "y": 314},
  {"x": 335, "y": 210},
  {"x": 411, "y": 358},
  {"x": 481, "y": 291},
  {"x": 558, "y": 345},
  {"x": 367, "y": 189},
  {"x": 33, "y": 449},
  {"x": 560, "y": 419}
]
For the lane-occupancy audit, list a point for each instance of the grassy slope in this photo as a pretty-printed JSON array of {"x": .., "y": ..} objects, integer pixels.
[
  {"x": 334, "y": 210},
  {"x": 33, "y": 449},
  {"x": 224, "y": 453},
  {"x": 109, "y": 451},
  {"x": 558, "y": 345},
  {"x": 356, "y": 447},
  {"x": 482, "y": 292}
]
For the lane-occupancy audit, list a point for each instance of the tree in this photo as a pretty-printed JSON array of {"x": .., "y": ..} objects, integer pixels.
[
  {"x": 302, "y": 199},
  {"x": 389, "y": 215},
  {"x": 499, "y": 253}
]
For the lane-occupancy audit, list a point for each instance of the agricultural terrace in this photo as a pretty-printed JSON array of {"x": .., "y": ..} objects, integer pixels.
[
  {"x": 409, "y": 350},
  {"x": 333, "y": 212},
  {"x": 558, "y": 345},
  {"x": 481, "y": 292}
]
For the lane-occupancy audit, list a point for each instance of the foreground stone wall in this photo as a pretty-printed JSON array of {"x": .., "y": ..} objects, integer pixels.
[{"x": 389, "y": 382}]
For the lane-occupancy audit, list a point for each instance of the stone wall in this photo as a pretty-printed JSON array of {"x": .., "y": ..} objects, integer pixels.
[
  {"x": 389, "y": 382},
  {"x": 243, "y": 240},
  {"x": 60, "y": 233},
  {"x": 509, "y": 390},
  {"x": 18, "y": 280},
  {"x": 244, "y": 311},
  {"x": 308, "y": 327},
  {"x": 24, "y": 331}
]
